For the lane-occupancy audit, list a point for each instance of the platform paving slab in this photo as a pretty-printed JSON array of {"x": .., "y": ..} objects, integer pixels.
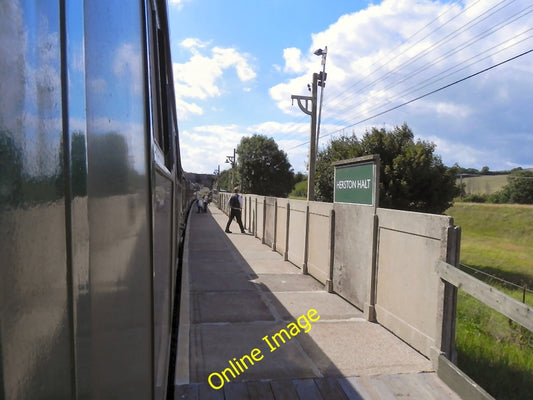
[{"x": 240, "y": 291}]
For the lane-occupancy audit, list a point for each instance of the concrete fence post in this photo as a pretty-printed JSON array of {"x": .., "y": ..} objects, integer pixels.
[
  {"x": 370, "y": 305},
  {"x": 246, "y": 220},
  {"x": 255, "y": 218},
  {"x": 275, "y": 225},
  {"x": 264, "y": 221},
  {"x": 287, "y": 224},
  {"x": 306, "y": 243},
  {"x": 329, "y": 281}
]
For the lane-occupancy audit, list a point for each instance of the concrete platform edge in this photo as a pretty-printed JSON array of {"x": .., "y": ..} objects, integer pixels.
[{"x": 459, "y": 382}]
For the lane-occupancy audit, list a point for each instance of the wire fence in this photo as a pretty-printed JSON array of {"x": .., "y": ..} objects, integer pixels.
[{"x": 526, "y": 294}]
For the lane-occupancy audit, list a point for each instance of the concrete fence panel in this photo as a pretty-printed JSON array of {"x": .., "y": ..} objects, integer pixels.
[
  {"x": 223, "y": 199},
  {"x": 297, "y": 233},
  {"x": 354, "y": 243},
  {"x": 260, "y": 216},
  {"x": 270, "y": 221},
  {"x": 282, "y": 226},
  {"x": 319, "y": 240},
  {"x": 409, "y": 245},
  {"x": 382, "y": 262},
  {"x": 251, "y": 202}
]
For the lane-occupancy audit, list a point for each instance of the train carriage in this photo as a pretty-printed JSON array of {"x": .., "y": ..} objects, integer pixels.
[{"x": 92, "y": 200}]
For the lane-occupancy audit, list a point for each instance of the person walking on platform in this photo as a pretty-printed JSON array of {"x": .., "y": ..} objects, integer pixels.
[{"x": 235, "y": 203}]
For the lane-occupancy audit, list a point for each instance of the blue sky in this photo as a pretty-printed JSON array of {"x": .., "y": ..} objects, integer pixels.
[{"x": 237, "y": 63}]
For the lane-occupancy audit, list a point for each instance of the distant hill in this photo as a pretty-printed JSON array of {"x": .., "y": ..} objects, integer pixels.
[{"x": 483, "y": 184}]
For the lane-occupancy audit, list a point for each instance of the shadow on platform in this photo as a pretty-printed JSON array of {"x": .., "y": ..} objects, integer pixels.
[{"x": 238, "y": 296}]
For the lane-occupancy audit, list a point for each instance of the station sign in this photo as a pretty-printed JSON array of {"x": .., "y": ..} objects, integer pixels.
[{"x": 356, "y": 181}]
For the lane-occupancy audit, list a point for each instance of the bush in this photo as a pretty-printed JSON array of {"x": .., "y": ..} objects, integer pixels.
[
  {"x": 519, "y": 189},
  {"x": 300, "y": 190},
  {"x": 476, "y": 198}
]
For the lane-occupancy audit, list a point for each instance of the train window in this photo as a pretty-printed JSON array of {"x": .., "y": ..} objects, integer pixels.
[{"x": 161, "y": 115}]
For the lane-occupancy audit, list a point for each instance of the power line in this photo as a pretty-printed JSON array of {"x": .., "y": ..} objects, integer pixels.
[
  {"x": 452, "y": 35},
  {"x": 452, "y": 70},
  {"x": 386, "y": 60},
  {"x": 475, "y": 39},
  {"x": 425, "y": 95},
  {"x": 455, "y": 69}
]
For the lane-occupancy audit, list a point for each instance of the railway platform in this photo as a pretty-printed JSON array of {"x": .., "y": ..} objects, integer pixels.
[{"x": 252, "y": 326}]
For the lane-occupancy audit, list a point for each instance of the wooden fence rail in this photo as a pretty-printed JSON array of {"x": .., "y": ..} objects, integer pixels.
[{"x": 497, "y": 300}]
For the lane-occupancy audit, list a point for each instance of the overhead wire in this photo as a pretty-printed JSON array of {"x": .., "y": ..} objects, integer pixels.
[
  {"x": 392, "y": 57},
  {"x": 387, "y": 60},
  {"x": 302, "y": 118},
  {"x": 433, "y": 91},
  {"x": 435, "y": 46},
  {"x": 493, "y": 10},
  {"x": 475, "y": 39},
  {"x": 455, "y": 69},
  {"x": 425, "y": 95}
]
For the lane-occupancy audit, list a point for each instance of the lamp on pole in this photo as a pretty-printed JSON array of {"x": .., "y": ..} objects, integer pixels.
[
  {"x": 216, "y": 172},
  {"x": 231, "y": 160},
  {"x": 319, "y": 79},
  {"x": 322, "y": 83}
]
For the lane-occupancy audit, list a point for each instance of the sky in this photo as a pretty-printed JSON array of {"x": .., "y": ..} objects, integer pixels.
[{"x": 458, "y": 73}]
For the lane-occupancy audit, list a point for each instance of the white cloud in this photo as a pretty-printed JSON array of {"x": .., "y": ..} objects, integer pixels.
[
  {"x": 378, "y": 58},
  {"x": 393, "y": 52},
  {"x": 202, "y": 76},
  {"x": 444, "y": 109},
  {"x": 177, "y": 3},
  {"x": 206, "y": 146},
  {"x": 293, "y": 60},
  {"x": 187, "y": 109},
  {"x": 193, "y": 43}
]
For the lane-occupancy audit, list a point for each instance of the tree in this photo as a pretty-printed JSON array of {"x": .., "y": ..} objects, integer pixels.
[
  {"x": 224, "y": 180},
  {"x": 412, "y": 177},
  {"x": 519, "y": 188},
  {"x": 264, "y": 168}
]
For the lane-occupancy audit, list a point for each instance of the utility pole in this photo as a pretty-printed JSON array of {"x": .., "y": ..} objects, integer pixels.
[
  {"x": 217, "y": 178},
  {"x": 322, "y": 83},
  {"x": 231, "y": 160},
  {"x": 312, "y": 139},
  {"x": 318, "y": 80}
]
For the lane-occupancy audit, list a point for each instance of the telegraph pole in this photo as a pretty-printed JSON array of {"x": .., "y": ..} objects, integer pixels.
[
  {"x": 322, "y": 83},
  {"x": 231, "y": 160},
  {"x": 312, "y": 140},
  {"x": 318, "y": 80}
]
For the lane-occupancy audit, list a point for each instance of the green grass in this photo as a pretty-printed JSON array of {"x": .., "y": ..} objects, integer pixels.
[
  {"x": 497, "y": 239},
  {"x": 492, "y": 350},
  {"x": 300, "y": 191},
  {"x": 486, "y": 184}
]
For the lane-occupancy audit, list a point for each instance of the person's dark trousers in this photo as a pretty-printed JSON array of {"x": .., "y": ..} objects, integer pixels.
[{"x": 235, "y": 213}]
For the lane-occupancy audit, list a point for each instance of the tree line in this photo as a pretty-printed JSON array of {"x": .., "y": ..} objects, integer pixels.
[{"x": 412, "y": 175}]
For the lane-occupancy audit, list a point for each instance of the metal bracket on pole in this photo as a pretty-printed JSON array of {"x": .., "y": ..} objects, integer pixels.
[
  {"x": 312, "y": 138},
  {"x": 307, "y": 100}
]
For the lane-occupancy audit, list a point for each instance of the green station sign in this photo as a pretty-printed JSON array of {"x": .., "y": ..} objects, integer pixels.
[{"x": 355, "y": 181}]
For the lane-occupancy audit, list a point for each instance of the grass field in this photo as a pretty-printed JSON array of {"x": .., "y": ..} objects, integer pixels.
[
  {"x": 485, "y": 184},
  {"x": 492, "y": 350},
  {"x": 497, "y": 238}
]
